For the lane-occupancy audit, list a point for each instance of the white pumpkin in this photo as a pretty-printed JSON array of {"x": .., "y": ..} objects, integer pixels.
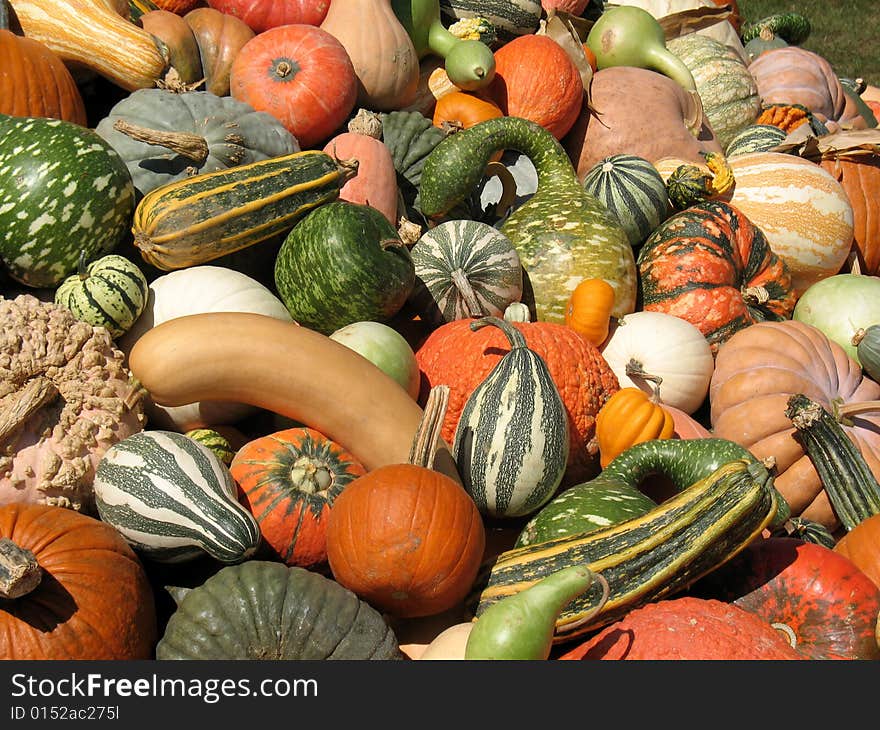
[
  {"x": 195, "y": 290},
  {"x": 664, "y": 346}
]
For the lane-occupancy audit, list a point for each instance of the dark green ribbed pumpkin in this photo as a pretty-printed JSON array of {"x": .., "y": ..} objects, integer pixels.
[
  {"x": 511, "y": 441},
  {"x": 633, "y": 190},
  {"x": 263, "y": 610},
  {"x": 343, "y": 263},
  {"x": 755, "y": 138},
  {"x": 868, "y": 350}
]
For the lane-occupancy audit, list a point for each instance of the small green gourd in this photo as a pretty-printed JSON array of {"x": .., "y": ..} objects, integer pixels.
[
  {"x": 521, "y": 626},
  {"x": 867, "y": 342}
]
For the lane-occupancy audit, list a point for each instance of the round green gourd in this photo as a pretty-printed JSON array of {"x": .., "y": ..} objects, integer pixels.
[
  {"x": 215, "y": 441},
  {"x": 754, "y": 138},
  {"x": 464, "y": 268},
  {"x": 688, "y": 185},
  {"x": 175, "y": 135},
  {"x": 110, "y": 292},
  {"x": 632, "y": 189},
  {"x": 726, "y": 87},
  {"x": 263, "y": 610},
  {"x": 342, "y": 263},
  {"x": 65, "y": 193}
]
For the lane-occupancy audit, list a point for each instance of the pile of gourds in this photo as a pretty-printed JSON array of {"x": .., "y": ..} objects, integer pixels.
[{"x": 452, "y": 332}]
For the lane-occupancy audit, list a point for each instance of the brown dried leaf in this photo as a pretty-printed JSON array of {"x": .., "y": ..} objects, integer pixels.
[
  {"x": 690, "y": 21},
  {"x": 851, "y": 143}
]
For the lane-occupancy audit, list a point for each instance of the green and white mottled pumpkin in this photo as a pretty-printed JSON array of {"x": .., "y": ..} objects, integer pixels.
[
  {"x": 464, "y": 268},
  {"x": 726, "y": 87},
  {"x": 511, "y": 442},
  {"x": 110, "y": 292},
  {"x": 64, "y": 192},
  {"x": 755, "y": 138},
  {"x": 173, "y": 499},
  {"x": 632, "y": 189}
]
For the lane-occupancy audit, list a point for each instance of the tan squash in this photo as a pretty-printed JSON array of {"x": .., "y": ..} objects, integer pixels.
[
  {"x": 178, "y": 36},
  {"x": 289, "y": 370},
  {"x": 95, "y": 35},
  {"x": 380, "y": 49},
  {"x": 220, "y": 37}
]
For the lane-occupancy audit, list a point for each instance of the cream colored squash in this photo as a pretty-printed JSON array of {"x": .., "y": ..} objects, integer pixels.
[
  {"x": 195, "y": 290},
  {"x": 449, "y": 644},
  {"x": 664, "y": 346}
]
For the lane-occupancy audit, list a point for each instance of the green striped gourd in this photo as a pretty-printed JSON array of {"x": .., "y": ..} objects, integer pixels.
[
  {"x": 196, "y": 220},
  {"x": 792, "y": 27},
  {"x": 649, "y": 557},
  {"x": 511, "y": 441},
  {"x": 632, "y": 189},
  {"x": 562, "y": 233},
  {"x": 511, "y": 18},
  {"x": 215, "y": 441},
  {"x": 614, "y": 495},
  {"x": 64, "y": 193},
  {"x": 110, "y": 292},
  {"x": 755, "y": 138},
  {"x": 726, "y": 87},
  {"x": 173, "y": 500},
  {"x": 464, "y": 268}
]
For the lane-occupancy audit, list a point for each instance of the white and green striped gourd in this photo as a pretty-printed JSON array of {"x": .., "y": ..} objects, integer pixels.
[
  {"x": 464, "y": 268},
  {"x": 173, "y": 499},
  {"x": 632, "y": 189},
  {"x": 110, "y": 292},
  {"x": 511, "y": 442},
  {"x": 755, "y": 138}
]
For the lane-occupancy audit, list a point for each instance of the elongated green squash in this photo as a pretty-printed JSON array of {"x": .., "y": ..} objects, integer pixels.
[
  {"x": 647, "y": 557},
  {"x": 199, "y": 219},
  {"x": 563, "y": 234}
]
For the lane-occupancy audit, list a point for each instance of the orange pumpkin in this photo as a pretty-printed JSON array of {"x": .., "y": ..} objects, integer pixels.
[
  {"x": 404, "y": 537},
  {"x": 629, "y": 417},
  {"x": 220, "y": 38},
  {"x": 288, "y": 480},
  {"x": 862, "y": 546},
  {"x": 536, "y": 79},
  {"x": 93, "y": 600},
  {"x": 461, "y": 109},
  {"x": 454, "y": 355},
  {"x": 589, "y": 310}
]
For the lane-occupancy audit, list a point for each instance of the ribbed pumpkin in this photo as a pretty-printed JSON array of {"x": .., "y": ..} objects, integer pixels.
[
  {"x": 536, "y": 79},
  {"x": 629, "y": 417},
  {"x": 712, "y": 267},
  {"x": 34, "y": 81},
  {"x": 454, "y": 355},
  {"x": 803, "y": 211},
  {"x": 261, "y": 15},
  {"x": 182, "y": 47},
  {"x": 756, "y": 371},
  {"x": 220, "y": 37},
  {"x": 726, "y": 87},
  {"x": 862, "y": 545},
  {"x": 85, "y": 596},
  {"x": 589, "y": 310},
  {"x": 289, "y": 480},
  {"x": 754, "y": 138},
  {"x": 464, "y": 268}
]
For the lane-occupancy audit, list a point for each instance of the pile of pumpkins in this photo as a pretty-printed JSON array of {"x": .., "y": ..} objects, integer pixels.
[{"x": 521, "y": 330}]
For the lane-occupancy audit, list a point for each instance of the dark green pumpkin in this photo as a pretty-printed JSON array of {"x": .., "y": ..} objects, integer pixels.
[
  {"x": 267, "y": 611},
  {"x": 868, "y": 349},
  {"x": 343, "y": 263}
]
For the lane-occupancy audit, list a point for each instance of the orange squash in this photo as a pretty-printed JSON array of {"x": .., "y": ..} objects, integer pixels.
[
  {"x": 220, "y": 38},
  {"x": 629, "y": 417},
  {"x": 589, "y": 310},
  {"x": 462, "y": 110},
  {"x": 862, "y": 546}
]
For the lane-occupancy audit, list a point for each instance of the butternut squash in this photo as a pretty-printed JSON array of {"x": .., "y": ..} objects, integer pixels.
[
  {"x": 95, "y": 35},
  {"x": 287, "y": 369}
]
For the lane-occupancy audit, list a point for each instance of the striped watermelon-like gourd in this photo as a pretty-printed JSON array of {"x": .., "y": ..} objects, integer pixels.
[
  {"x": 710, "y": 266},
  {"x": 755, "y": 138},
  {"x": 64, "y": 193},
  {"x": 511, "y": 18},
  {"x": 110, "y": 292},
  {"x": 728, "y": 92},
  {"x": 632, "y": 189},
  {"x": 511, "y": 443},
  {"x": 215, "y": 441},
  {"x": 173, "y": 500},
  {"x": 464, "y": 268}
]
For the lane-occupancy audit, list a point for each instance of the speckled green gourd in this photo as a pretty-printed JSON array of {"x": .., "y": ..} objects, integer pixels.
[
  {"x": 64, "y": 192},
  {"x": 562, "y": 233}
]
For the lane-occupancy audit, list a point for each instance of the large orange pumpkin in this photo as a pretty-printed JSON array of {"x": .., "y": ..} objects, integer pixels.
[
  {"x": 93, "y": 600},
  {"x": 455, "y": 355},
  {"x": 862, "y": 545}
]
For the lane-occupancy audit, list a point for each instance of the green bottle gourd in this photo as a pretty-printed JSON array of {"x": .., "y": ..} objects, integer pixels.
[
  {"x": 470, "y": 64},
  {"x": 627, "y": 35},
  {"x": 521, "y": 626}
]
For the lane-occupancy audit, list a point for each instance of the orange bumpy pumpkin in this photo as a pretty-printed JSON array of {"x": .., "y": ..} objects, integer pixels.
[{"x": 455, "y": 355}]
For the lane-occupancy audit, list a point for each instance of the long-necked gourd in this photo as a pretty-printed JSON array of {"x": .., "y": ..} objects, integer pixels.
[{"x": 562, "y": 233}]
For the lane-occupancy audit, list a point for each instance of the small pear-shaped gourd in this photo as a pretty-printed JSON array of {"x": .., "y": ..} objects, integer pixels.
[{"x": 521, "y": 626}]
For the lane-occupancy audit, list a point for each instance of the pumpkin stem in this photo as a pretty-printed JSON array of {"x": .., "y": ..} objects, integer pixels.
[
  {"x": 409, "y": 231},
  {"x": 366, "y": 122},
  {"x": 424, "y": 444},
  {"x": 593, "y": 612},
  {"x": 635, "y": 369},
  {"x": 514, "y": 336},
  {"x": 38, "y": 392},
  {"x": 20, "y": 573},
  {"x": 787, "y": 631},
  {"x": 467, "y": 293},
  {"x": 755, "y": 295},
  {"x": 81, "y": 268},
  {"x": 841, "y": 411},
  {"x": 191, "y": 146},
  {"x": 858, "y": 336}
]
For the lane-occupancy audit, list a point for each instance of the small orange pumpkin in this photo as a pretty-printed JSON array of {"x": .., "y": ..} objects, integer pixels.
[
  {"x": 462, "y": 110},
  {"x": 862, "y": 546},
  {"x": 589, "y": 310},
  {"x": 629, "y": 417}
]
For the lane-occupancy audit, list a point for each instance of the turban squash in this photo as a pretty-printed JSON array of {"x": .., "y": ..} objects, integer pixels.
[{"x": 756, "y": 371}]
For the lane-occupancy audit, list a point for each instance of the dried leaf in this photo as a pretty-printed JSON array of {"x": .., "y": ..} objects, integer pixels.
[
  {"x": 559, "y": 27},
  {"x": 690, "y": 21},
  {"x": 851, "y": 143}
]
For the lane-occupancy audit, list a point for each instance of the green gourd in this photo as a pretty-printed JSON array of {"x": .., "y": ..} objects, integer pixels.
[
  {"x": 562, "y": 233},
  {"x": 627, "y": 35},
  {"x": 521, "y": 626}
]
